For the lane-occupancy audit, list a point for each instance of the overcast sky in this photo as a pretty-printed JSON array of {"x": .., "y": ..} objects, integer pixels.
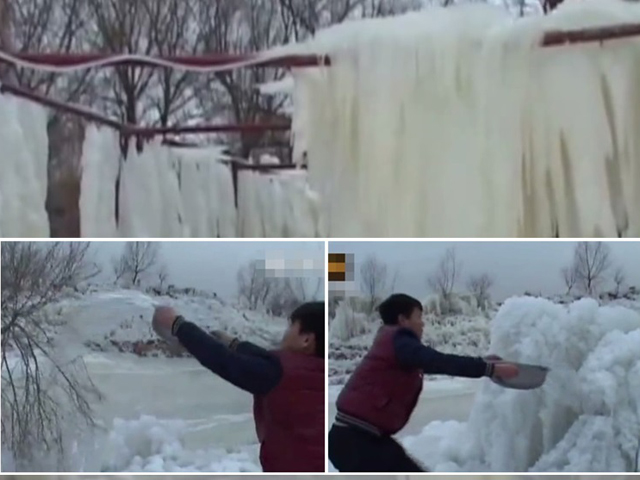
[
  {"x": 515, "y": 266},
  {"x": 213, "y": 266}
]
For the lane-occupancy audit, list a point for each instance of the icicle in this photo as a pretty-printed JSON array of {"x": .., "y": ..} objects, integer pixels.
[{"x": 455, "y": 122}]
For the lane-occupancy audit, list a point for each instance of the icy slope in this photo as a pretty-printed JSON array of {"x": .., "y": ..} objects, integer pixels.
[
  {"x": 23, "y": 169},
  {"x": 585, "y": 418}
]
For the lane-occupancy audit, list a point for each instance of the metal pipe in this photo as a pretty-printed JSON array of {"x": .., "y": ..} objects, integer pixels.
[
  {"x": 204, "y": 60},
  {"x": 593, "y": 34}
]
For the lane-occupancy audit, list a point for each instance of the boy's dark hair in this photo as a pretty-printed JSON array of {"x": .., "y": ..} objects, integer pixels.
[
  {"x": 396, "y": 305},
  {"x": 310, "y": 316}
]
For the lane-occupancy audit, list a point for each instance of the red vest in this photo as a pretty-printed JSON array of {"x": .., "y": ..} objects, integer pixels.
[
  {"x": 290, "y": 419},
  {"x": 381, "y": 392}
]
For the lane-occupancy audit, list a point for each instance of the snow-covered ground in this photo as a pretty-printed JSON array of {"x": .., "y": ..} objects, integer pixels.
[
  {"x": 158, "y": 413},
  {"x": 585, "y": 418}
]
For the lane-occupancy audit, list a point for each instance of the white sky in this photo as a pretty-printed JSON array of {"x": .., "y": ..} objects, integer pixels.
[{"x": 516, "y": 266}]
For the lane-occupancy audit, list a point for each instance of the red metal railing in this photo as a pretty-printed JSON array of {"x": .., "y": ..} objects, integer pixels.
[
  {"x": 204, "y": 60},
  {"x": 134, "y": 130},
  {"x": 594, "y": 34}
]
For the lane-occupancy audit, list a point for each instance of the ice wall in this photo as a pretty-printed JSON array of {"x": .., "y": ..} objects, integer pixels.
[
  {"x": 585, "y": 418},
  {"x": 454, "y": 122},
  {"x": 23, "y": 169},
  {"x": 278, "y": 205},
  {"x": 164, "y": 192},
  {"x": 150, "y": 198}
]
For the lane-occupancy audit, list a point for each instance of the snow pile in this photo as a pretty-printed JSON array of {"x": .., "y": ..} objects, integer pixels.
[
  {"x": 152, "y": 445},
  {"x": 23, "y": 169},
  {"x": 100, "y": 164},
  {"x": 278, "y": 205},
  {"x": 147, "y": 444},
  {"x": 461, "y": 107},
  {"x": 585, "y": 418}
]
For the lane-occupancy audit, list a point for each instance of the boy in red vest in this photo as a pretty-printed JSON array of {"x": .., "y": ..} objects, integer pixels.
[
  {"x": 288, "y": 384},
  {"x": 383, "y": 391}
]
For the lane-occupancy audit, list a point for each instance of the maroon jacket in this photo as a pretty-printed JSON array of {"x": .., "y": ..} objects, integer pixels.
[
  {"x": 290, "y": 419},
  {"x": 380, "y": 391}
]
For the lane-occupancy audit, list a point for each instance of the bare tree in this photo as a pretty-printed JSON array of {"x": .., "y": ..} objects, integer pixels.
[
  {"x": 570, "y": 277},
  {"x": 254, "y": 287},
  {"x": 6, "y": 42},
  {"x": 619, "y": 278},
  {"x": 37, "y": 385},
  {"x": 374, "y": 279},
  {"x": 289, "y": 292},
  {"x": 304, "y": 289},
  {"x": 136, "y": 263},
  {"x": 163, "y": 275},
  {"x": 591, "y": 262},
  {"x": 479, "y": 286},
  {"x": 443, "y": 280}
]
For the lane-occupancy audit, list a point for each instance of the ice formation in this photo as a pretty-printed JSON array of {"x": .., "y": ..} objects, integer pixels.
[
  {"x": 23, "y": 169},
  {"x": 347, "y": 323},
  {"x": 455, "y": 122},
  {"x": 164, "y": 192},
  {"x": 278, "y": 205},
  {"x": 207, "y": 193},
  {"x": 586, "y": 417},
  {"x": 100, "y": 164},
  {"x": 150, "y": 200}
]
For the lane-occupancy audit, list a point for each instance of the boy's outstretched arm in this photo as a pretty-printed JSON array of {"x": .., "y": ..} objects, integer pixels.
[
  {"x": 246, "y": 366},
  {"x": 411, "y": 353}
]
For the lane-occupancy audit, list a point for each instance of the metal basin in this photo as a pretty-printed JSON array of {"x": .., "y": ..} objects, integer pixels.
[{"x": 529, "y": 377}]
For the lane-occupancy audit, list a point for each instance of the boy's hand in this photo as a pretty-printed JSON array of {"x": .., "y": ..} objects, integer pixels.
[
  {"x": 164, "y": 317},
  {"x": 505, "y": 370},
  {"x": 162, "y": 322}
]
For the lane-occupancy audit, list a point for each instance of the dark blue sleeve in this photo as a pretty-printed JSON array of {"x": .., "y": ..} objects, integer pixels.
[
  {"x": 248, "y": 367},
  {"x": 411, "y": 353}
]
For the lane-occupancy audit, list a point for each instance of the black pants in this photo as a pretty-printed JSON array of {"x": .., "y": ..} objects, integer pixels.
[{"x": 355, "y": 450}]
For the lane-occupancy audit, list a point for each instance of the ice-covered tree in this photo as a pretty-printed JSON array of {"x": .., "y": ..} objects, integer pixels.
[
  {"x": 479, "y": 286},
  {"x": 41, "y": 385},
  {"x": 348, "y": 323},
  {"x": 619, "y": 278}
]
